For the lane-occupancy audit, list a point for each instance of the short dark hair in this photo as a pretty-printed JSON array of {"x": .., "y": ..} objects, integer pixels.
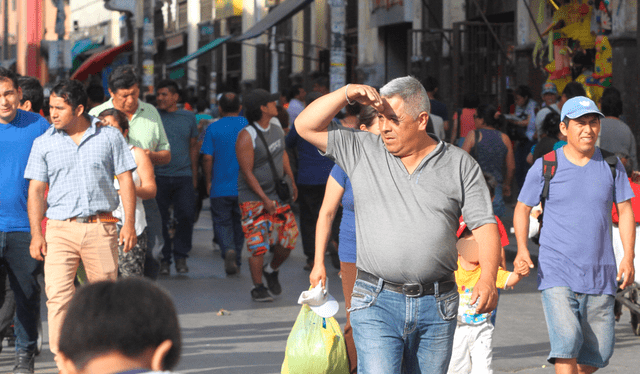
[
  {"x": 95, "y": 93},
  {"x": 353, "y": 110},
  {"x": 321, "y": 79},
  {"x": 367, "y": 115},
  {"x": 293, "y": 91},
  {"x": 470, "y": 100},
  {"x": 32, "y": 91},
  {"x": 129, "y": 316},
  {"x": 611, "y": 102},
  {"x": 6, "y": 74},
  {"x": 573, "y": 89},
  {"x": 488, "y": 113},
  {"x": 229, "y": 102},
  {"x": 430, "y": 83},
  {"x": 120, "y": 117},
  {"x": 201, "y": 105},
  {"x": 72, "y": 91},
  {"x": 253, "y": 114},
  {"x": 524, "y": 91},
  {"x": 123, "y": 77},
  {"x": 169, "y": 84}
]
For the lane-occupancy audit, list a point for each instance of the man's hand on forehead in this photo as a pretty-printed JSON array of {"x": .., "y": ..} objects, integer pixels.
[{"x": 366, "y": 95}]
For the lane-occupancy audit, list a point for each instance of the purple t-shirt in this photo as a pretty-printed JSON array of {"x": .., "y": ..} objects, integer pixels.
[{"x": 575, "y": 240}]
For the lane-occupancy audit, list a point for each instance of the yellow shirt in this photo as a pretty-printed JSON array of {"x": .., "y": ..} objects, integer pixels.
[{"x": 466, "y": 280}]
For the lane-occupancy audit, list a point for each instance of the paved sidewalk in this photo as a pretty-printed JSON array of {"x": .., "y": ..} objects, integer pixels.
[{"x": 251, "y": 337}]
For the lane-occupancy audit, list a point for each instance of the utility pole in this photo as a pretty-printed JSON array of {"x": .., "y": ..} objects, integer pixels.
[{"x": 337, "y": 58}]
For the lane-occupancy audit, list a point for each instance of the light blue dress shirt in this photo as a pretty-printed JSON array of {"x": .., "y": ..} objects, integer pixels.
[{"x": 80, "y": 176}]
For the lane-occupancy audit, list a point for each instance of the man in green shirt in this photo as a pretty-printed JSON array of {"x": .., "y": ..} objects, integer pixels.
[{"x": 147, "y": 132}]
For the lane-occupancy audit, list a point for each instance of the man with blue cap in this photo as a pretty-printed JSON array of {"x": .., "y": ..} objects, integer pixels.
[{"x": 577, "y": 269}]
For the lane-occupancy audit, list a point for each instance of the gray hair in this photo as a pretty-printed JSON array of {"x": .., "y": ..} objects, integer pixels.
[{"x": 411, "y": 91}]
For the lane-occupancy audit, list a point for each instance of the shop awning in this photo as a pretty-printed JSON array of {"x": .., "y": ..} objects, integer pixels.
[
  {"x": 84, "y": 45},
  {"x": 99, "y": 61},
  {"x": 206, "y": 48},
  {"x": 279, "y": 14}
]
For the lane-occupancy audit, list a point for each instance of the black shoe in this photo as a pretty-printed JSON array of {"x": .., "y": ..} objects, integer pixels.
[
  {"x": 24, "y": 363},
  {"x": 260, "y": 293},
  {"x": 230, "y": 266},
  {"x": 181, "y": 265},
  {"x": 165, "y": 268},
  {"x": 308, "y": 266},
  {"x": 272, "y": 282}
]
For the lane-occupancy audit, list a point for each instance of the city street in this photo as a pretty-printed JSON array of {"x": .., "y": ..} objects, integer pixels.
[{"x": 225, "y": 332}]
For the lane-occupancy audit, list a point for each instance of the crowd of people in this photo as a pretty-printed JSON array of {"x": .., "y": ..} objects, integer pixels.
[{"x": 406, "y": 202}]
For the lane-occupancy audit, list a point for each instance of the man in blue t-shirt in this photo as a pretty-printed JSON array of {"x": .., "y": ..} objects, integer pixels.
[
  {"x": 18, "y": 130},
  {"x": 221, "y": 168},
  {"x": 577, "y": 269},
  {"x": 177, "y": 181}
]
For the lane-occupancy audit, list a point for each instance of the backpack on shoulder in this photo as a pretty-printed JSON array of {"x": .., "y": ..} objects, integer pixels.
[{"x": 549, "y": 169}]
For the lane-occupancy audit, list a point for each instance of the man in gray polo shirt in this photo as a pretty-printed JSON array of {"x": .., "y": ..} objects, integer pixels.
[{"x": 410, "y": 189}]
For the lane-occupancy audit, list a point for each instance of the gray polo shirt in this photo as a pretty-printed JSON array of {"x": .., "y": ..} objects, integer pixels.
[{"x": 406, "y": 223}]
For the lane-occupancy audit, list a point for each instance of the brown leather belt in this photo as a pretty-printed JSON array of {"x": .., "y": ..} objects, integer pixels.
[
  {"x": 100, "y": 217},
  {"x": 445, "y": 285}
]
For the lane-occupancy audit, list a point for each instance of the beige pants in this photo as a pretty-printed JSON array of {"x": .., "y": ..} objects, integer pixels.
[{"x": 96, "y": 244}]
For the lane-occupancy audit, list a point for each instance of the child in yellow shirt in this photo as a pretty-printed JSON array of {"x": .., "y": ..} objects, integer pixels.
[{"x": 472, "y": 342}]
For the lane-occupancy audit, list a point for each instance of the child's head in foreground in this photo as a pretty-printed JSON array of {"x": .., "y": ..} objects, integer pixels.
[{"x": 131, "y": 317}]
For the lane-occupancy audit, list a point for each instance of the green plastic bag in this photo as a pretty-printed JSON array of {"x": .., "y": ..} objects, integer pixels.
[{"x": 315, "y": 346}]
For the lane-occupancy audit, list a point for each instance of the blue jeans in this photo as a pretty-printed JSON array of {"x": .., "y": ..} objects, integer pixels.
[
  {"x": 179, "y": 192},
  {"x": 394, "y": 333},
  {"x": 581, "y": 326},
  {"x": 227, "y": 225},
  {"x": 23, "y": 278}
]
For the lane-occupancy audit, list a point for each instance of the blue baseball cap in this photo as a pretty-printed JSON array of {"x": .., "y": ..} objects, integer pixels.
[
  {"x": 578, "y": 107},
  {"x": 549, "y": 88}
]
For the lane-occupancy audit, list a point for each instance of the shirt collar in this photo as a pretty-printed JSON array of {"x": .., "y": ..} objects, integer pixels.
[
  {"x": 90, "y": 131},
  {"x": 138, "y": 111}
]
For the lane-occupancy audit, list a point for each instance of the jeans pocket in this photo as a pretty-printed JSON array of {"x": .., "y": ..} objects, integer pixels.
[
  {"x": 448, "y": 305},
  {"x": 363, "y": 295}
]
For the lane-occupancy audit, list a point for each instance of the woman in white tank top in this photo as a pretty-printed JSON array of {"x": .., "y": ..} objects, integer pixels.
[{"x": 132, "y": 262}]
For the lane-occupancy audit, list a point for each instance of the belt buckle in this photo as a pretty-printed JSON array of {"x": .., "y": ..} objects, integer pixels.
[
  {"x": 82, "y": 219},
  {"x": 409, "y": 289}
]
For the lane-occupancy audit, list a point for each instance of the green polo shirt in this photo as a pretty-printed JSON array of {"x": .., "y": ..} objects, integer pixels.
[{"x": 145, "y": 127}]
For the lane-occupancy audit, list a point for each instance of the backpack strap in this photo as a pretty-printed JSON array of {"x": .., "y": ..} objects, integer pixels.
[
  {"x": 612, "y": 160},
  {"x": 549, "y": 168}
]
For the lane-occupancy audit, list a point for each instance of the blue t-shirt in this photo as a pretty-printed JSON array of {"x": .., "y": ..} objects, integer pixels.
[
  {"x": 313, "y": 168},
  {"x": 181, "y": 127},
  {"x": 347, "y": 246},
  {"x": 220, "y": 142},
  {"x": 575, "y": 239},
  {"x": 16, "y": 139}
]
